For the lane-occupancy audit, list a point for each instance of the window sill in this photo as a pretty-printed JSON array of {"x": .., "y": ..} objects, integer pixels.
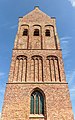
[{"x": 36, "y": 116}]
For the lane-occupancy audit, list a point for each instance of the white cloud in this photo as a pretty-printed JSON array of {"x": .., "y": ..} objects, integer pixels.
[
  {"x": 4, "y": 25},
  {"x": 71, "y": 77},
  {"x": 65, "y": 46},
  {"x": 72, "y": 2},
  {"x": 8, "y": 25},
  {"x": 2, "y": 90},
  {"x": 72, "y": 93},
  {"x": 65, "y": 38},
  {"x": 71, "y": 83},
  {"x": 72, "y": 90},
  {"x": 2, "y": 74},
  {"x": 14, "y": 26}
]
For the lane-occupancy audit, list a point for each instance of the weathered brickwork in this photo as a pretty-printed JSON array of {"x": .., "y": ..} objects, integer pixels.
[{"x": 37, "y": 65}]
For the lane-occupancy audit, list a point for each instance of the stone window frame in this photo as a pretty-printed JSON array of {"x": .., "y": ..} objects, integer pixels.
[{"x": 38, "y": 115}]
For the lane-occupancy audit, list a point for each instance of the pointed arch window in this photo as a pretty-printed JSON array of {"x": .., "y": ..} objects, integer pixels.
[
  {"x": 47, "y": 32},
  {"x": 37, "y": 103},
  {"x": 36, "y": 32},
  {"x": 25, "y": 32}
]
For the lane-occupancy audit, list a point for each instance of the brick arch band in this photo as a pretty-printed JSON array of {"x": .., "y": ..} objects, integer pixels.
[{"x": 36, "y": 75}]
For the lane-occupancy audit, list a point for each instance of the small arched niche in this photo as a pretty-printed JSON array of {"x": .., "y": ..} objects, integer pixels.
[
  {"x": 36, "y": 42},
  {"x": 49, "y": 29},
  {"x": 36, "y": 30}
]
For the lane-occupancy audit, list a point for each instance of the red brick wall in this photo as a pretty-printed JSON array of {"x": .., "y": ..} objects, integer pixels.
[{"x": 37, "y": 63}]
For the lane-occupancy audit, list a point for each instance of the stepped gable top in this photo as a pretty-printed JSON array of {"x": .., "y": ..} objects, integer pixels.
[{"x": 37, "y": 16}]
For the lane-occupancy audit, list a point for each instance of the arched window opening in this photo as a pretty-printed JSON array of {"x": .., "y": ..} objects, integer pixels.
[
  {"x": 37, "y": 103},
  {"x": 47, "y": 32},
  {"x": 25, "y": 32},
  {"x": 36, "y": 32}
]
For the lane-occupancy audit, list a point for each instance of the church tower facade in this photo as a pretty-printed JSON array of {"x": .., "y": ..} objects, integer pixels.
[{"x": 37, "y": 87}]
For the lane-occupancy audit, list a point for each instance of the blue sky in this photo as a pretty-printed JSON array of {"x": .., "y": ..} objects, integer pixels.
[{"x": 63, "y": 10}]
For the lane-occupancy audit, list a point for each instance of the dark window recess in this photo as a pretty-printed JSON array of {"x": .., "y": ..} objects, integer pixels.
[
  {"x": 37, "y": 103},
  {"x": 47, "y": 32},
  {"x": 36, "y": 32},
  {"x": 25, "y": 32}
]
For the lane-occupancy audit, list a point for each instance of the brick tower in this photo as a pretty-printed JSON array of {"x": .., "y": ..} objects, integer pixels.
[{"x": 37, "y": 88}]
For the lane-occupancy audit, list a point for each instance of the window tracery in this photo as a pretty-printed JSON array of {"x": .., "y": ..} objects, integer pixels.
[{"x": 37, "y": 103}]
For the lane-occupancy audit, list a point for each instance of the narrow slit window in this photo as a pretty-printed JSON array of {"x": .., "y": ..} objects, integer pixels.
[
  {"x": 47, "y": 32},
  {"x": 36, "y": 32},
  {"x": 25, "y": 32}
]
